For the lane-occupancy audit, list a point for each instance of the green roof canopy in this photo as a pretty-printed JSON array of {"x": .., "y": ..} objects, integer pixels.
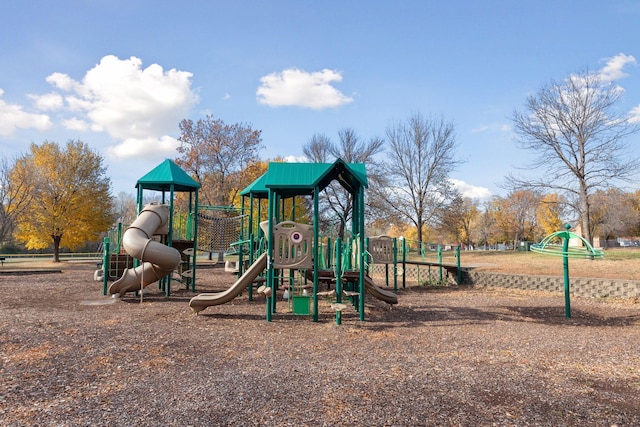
[
  {"x": 164, "y": 175},
  {"x": 292, "y": 179},
  {"x": 257, "y": 188}
]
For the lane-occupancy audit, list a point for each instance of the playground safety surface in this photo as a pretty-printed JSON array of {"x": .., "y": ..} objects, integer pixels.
[{"x": 442, "y": 356}]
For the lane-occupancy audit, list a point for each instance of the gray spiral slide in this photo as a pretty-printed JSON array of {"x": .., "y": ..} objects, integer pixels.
[{"x": 158, "y": 260}]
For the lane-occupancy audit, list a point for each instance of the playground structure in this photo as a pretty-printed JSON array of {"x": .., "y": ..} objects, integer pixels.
[
  {"x": 287, "y": 254},
  {"x": 295, "y": 261}
]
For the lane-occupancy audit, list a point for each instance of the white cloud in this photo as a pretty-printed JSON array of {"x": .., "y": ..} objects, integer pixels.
[
  {"x": 48, "y": 102},
  {"x": 296, "y": 159},
  {"x": 494, "y": 127},
  {"x": 137, "y": 106},
  {"x": 13, "y": 117},
  {"x": 471, "y": 191},
  {"x": 294, "y": 87},
  {"x": 144, "y": 147},
  {"x": 75, "y": 123},
  {"x": 61, "y": 81},
  {"x": 635, "y": 115},
  {"x": 613, "y": 70},
  {"x": 480, "y": 129}
]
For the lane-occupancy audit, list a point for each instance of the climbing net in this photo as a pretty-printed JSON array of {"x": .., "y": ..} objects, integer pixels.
[{"x": 216, "y": 234}]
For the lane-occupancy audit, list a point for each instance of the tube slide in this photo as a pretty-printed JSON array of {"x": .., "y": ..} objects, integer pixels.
[
  {"x": 158, "y": 260},
  {"x": 202, "y": 301},
  {"x": 379, "y": 293}
]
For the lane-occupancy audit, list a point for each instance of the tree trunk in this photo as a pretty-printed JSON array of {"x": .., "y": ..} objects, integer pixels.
[
  {"x": 585, "y": 213},
  {"x": 56, "y": 248},
  {"x": 341, "y": 229}
]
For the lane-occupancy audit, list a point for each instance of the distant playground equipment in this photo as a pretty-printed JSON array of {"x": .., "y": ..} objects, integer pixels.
[{"x": 549, "y": 245}]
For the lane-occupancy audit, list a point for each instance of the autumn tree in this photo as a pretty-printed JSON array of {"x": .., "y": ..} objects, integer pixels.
[
  {"x": 420, "y": 158},
  {"x": 215, "y": 154},
  {"x": 71, "y": 201},
  {"x": 336, "y": 205},
  {"x": 614, "y": 214},
  {"x": 550, "y": 212},
  {"x": 517, "y": 215},
  {"x": 577, "y": 132},
  {"x": 14, "y": 197},
  {"x": 636, "y": 206}
]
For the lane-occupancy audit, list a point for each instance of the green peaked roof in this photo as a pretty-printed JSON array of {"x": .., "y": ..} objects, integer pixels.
[
  {"x": 257, "y": 188},
  {"x": 302, "y": 178},
  {"x": 166, "y": 174}
]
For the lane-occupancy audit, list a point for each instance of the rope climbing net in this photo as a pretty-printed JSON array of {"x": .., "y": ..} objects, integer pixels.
[{"x": 216, "y": 234}]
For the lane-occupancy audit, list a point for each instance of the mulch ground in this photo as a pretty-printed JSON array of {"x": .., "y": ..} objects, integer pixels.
[{"x": 441, "y": 357}]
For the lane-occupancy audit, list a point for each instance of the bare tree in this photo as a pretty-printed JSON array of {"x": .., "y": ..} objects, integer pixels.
[
  {"x": 577, "y": 133},
  {"x": 125, "y": 207},
  {"x": 215, "y": 153},
  {"x": 336, "y": 203},
  {"x": 420, "y": 157},
  {"x": 318, "y": 149}
]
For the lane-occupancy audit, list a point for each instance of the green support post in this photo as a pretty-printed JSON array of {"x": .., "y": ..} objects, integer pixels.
[
  {"x": 395, "y": 264},
  {"x": 440, "y": 262},
  {"x": 251, "y": 261},
  {"x": 105, "y": 266},
  {"x": 361, "y": 255},
  {"x": 565, "y": 265},
  {"x": 316, "y": 234},
  {"x": 404, "y": 263},
  {"x": 270, "y": 279},
  {"x": 338, "y": 270}
]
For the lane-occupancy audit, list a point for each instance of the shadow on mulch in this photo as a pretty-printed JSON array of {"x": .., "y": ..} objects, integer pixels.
[
  {"x": 448, "y": 315},
  {"x": 443, "y": 315},
  {"x": 381, "y": 316},
  {"x": 556, "y": 316}
]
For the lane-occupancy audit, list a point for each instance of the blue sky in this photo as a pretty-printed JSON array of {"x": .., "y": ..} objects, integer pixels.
[{"x": 120, "y": 75}]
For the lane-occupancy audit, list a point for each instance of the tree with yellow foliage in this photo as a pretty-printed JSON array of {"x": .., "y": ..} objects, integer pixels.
[
  {"x": 71, "y": 201},
  {"x": 549, "y": 213}
]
